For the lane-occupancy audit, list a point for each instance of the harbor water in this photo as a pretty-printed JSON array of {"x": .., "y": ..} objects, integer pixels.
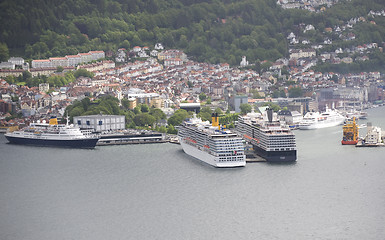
[{"x": 156, "y": 191}]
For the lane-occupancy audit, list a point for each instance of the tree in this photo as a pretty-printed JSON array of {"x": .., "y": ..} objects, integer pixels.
[
  {"x": 273, "y": 106},
  {"x": 125, "y": 103},
  {"x": 245, "y": 108},
  {"x": 4, "y": 52},
  {"x": 202, "y": 96},
  {"x": 59, "y": 69},
  {"x": 137, "y": 110},
  {"x": 177, "y": 118},
  {"x": 83, "y": 72},
  {"x": 205, "y": 114},
  {"x": 295, "y": 92},
  {"x": 157, "y": 113},
  {"x": 171, "y": 130},
  {"x": 144, "y": 108},
  {"x": 219, "y": 111},
  {"x": 144, "y": 119}
]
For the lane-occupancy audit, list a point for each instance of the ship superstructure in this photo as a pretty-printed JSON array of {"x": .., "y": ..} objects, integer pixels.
[
  {"x": 315, "y": 120},
  {"x": 52, "y": 134},
  {"x": 350, "y": 132},
  {"x": 373, "y": 137},
  {"x": 211, "y": 143},
  {"x": 270, "y": 139}
]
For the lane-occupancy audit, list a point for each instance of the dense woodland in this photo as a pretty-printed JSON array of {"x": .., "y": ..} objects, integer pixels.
[{"x": 210, "y": 31}]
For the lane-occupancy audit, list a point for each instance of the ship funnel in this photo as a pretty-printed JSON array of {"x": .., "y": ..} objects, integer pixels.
[
  {"x": 269, "y": 114},
  {"x": 53, "y": 121},
  {"x": 215, "y": 120}
]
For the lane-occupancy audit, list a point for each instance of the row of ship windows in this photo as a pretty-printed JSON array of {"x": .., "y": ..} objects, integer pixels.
[
  {"x": 283, "y": 149},
  {"x": 232, "y": 149},
  {"x": 279, "y": 146},
  {"x": 234, "y": 159},
  {"x": 225, "y": 155}
]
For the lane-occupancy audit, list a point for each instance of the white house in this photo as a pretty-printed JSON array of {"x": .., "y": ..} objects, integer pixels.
[{"x": 16, "y": 60}]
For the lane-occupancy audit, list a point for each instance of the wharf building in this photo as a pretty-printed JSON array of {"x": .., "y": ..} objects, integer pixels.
[{"x": 101, "y": 123}]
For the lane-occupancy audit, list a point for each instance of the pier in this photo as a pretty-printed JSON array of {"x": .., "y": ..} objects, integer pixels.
[{"x": 252, "y": 157}]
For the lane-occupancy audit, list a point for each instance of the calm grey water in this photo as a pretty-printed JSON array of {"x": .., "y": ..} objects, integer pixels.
[{"x": 157, "y": 192}]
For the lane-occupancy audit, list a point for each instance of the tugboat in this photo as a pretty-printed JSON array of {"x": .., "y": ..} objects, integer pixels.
[{"x": 350, "y": 132}]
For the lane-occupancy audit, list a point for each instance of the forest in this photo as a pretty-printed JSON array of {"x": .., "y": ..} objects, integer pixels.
[{"x": 208, "y": 31}]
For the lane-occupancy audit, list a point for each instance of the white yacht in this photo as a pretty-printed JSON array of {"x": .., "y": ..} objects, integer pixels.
[{"x": 315, "y": 120}]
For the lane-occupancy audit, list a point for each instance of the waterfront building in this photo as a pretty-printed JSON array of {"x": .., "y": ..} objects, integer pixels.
[{"x": 100, "y": 123}]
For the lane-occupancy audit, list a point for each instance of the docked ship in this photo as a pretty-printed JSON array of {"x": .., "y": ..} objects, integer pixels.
[
  {"x": 211, "y": 143},
  {"x": 271, "y": 140},
  {"x": 52, "y": 134},
  {"x": 350, "y": 132},
  {"x": 373, "y": 138},
  {"x": 315, "y": 120}
]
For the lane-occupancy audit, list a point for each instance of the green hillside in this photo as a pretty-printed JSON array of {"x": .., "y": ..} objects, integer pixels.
[{"x": 213, "y": 31}]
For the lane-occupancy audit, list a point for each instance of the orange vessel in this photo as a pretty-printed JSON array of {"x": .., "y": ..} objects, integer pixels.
[{"x": 350, "y": 132}]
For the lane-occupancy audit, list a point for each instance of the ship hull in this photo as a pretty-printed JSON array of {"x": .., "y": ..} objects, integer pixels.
[
  {"x": 71, "y": 143},
  {"x": 345, "y": 142},
  {"x": 320, "y": 125},
  {"x": 208, "y": 158},
  {"x": 276, "y": 156}
]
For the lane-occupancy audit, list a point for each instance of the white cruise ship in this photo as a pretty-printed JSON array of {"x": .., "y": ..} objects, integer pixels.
[
  {"x": 211, "y": 144},
  {"x": 270, "y": 139},
  {"x": 52, "y": 134},
  {"x": 315, "y": 120}
]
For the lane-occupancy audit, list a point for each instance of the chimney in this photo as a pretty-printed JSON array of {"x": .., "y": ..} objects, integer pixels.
[
  {"x": 269, "y": 114},
  {"x": 215, "y": 120}
]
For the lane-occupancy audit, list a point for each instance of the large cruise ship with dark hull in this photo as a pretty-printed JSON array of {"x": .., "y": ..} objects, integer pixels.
[
  {"x": 52, "y": 134},
  {"x": 270, "y": 139}
]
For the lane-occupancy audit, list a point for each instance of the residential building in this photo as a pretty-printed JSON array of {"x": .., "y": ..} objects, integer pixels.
[
  {"x": 74, "y": 60},
  {"x": 18, "y": 61},
  {"x": 59, "y": 61},
  {"x": 41, "y": 63},
  {"x": 43, "y": 87},
  {"x": 302, "y": 53},
  {"x": 97, "y": 55}
]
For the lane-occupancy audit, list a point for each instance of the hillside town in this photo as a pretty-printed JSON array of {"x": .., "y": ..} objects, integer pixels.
[{"x": 167, "y": 79}]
